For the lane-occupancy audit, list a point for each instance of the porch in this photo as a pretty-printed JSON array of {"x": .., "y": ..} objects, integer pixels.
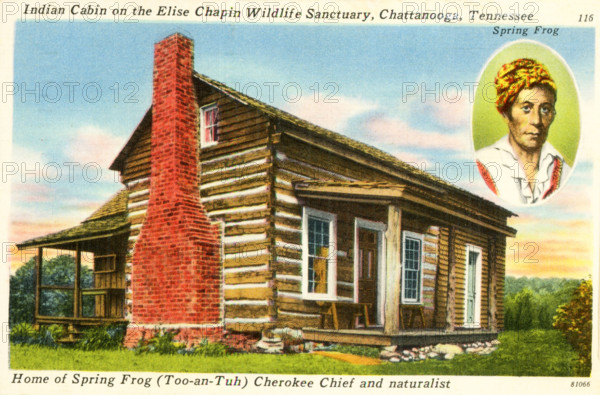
[
  {"x": 97, "y": 299},
  {"x": 92, "y": 291},
  {"x": 410, "y": 258},
  {"x": 406, "y": 338}
]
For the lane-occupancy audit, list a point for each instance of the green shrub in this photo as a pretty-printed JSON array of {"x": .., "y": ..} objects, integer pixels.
[
  {"x": 45, "y": 338},
  {"x": 161, "y": 343},
  {"x": 209, "y": 349},
  {"x": 365, "y": 351},
  {"x": 56, "y": 331},
  {"x": 574, "y": 320},
  {"x": 23, "y": 333},
  {"x": 102, "y": 338},
  {"x": 519, "y": 310}
]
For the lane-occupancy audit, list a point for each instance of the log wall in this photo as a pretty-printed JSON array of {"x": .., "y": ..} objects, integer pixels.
[
  {"x": 246, "y": 184},
  {"x": 430, "y": 261},
  {"x": 234, "y": 178},
  {"x": 297, "y": 161},
  {"x": 464, "y": 237}
]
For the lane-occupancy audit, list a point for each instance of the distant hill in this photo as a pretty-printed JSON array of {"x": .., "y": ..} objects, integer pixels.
[{"x": 514, "y": 285}]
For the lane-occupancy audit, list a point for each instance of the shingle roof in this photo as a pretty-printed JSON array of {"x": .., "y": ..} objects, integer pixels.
[
  {"x": 110, "y": 217},
  {"x": 325, "y": 133},
  {"x": 366, "y": 149},
  {"x": 378, "y": 155},
  {"x": 292, "y": 119}
]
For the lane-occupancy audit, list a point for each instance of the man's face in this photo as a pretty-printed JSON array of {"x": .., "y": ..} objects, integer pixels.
[{"x": 530, "y": 118}]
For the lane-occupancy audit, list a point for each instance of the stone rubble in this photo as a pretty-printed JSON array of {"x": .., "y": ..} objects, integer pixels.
[
  {"x": 389, "y": 354},
  {"x": 278, "y": 342},
  {"x": 269, "y": 345},
  {"x": 444, "y": 352}
]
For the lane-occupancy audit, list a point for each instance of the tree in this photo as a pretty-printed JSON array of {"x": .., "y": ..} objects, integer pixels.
[
  {"x": 22, "y": 294},
  {"x": 574, "y": 320},
  {"x": 519, "y": 310},
  {"x": 55, "y": 271},
  {"x": 532, "y": 302}
]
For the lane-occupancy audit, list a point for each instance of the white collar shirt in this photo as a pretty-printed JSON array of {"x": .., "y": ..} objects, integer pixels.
[{"x": 509, "y": 176}]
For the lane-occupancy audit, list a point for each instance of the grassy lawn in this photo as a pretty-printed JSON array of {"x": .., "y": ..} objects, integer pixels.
[{"x": 528, "y": 353}]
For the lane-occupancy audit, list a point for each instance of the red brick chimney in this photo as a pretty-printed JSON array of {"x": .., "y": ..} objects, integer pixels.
[{"x": 176, "y": 269}]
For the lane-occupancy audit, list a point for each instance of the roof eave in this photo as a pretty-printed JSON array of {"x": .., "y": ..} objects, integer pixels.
[
  {"x": 438, "y": 187},
  {"x": 387, "y": 194},
  {"x": 32, "y": 243}
]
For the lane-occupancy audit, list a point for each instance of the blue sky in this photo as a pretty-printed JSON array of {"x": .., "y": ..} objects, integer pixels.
[{"x": 367, "y": 68}]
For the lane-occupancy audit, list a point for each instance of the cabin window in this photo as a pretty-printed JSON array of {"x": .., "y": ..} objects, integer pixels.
[
  {"x": 319, "y": 250},
  {"x": 412, "y": 267},
  {"x": 105, "y": 263},
  {"x": 209, "y": 125}
]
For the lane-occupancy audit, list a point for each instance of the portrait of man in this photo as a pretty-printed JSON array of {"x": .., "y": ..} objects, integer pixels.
[{"x": 522, "y": 167}]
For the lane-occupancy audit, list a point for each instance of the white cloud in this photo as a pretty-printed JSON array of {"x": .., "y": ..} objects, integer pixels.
[
  {"x": 93, "y": 149},
  {"x": 386, "y": 130},
  {"x": 28, "y": 166},
  {"x": 333, "y": 116},
  {"x": 26, "y": 158},
  {"x": 91, "y": 144},
  {"x": 451, "y": 114}
]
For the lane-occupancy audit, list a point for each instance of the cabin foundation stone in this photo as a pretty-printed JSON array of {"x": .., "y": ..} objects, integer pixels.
[{"x": 188, "y": 336}]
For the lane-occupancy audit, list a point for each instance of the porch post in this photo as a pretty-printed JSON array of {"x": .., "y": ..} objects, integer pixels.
[
  {"x": 492, "y": 257},
  {"x": 451, "y": 291},
  {"x": 76, "y": 290},
  {"x": 392, "y": 270},
  {"x": 38, "y": 282}
]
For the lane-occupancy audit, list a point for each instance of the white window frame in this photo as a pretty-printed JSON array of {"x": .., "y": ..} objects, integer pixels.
[
  {"x": 203, "y": 126},
  {"x": 478, "y": 268},
  {"x": 380, "y": 228},
  {"x": 331, "y": 260},
  {"x": 418, "y": 236}
]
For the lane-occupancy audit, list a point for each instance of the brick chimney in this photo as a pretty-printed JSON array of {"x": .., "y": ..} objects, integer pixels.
[{"x": 176, "y": 269}]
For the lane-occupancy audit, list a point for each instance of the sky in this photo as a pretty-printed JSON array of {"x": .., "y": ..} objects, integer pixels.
[{"x": 81, "y": 88}]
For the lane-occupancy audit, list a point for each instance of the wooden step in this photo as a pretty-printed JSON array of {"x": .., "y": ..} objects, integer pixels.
[
  {"x": 73, "y": 334},
  {"x": 67, "y": 340}
]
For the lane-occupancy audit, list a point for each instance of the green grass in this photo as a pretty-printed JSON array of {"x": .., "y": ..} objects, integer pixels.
[
  {"x": 527, "y": 353},
  {"x": 372, "y": 352}
]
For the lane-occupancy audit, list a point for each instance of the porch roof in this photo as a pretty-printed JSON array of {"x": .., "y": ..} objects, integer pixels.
[
  {"x": 382, "y": 191},
  {"x": 389, "y": 193},
  {"x": 110, "y": 219}
]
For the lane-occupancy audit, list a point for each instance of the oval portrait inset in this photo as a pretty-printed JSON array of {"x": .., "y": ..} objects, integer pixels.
[{"x": 526, "y": 123}]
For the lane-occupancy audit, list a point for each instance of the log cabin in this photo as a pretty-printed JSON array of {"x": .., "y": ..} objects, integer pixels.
[{"x": 236, "y": 216}]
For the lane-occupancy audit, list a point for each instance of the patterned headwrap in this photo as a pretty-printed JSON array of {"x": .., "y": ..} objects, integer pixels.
[{"x": 517, "y": 75}]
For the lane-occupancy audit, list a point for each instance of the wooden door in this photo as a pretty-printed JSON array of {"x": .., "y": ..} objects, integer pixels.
[
  {"x": 471, "y": 286},
  {"x": 367, "y": 270}
]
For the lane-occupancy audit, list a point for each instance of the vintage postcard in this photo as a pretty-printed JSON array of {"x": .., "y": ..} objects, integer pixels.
[{"x": 226, "y": 197}]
